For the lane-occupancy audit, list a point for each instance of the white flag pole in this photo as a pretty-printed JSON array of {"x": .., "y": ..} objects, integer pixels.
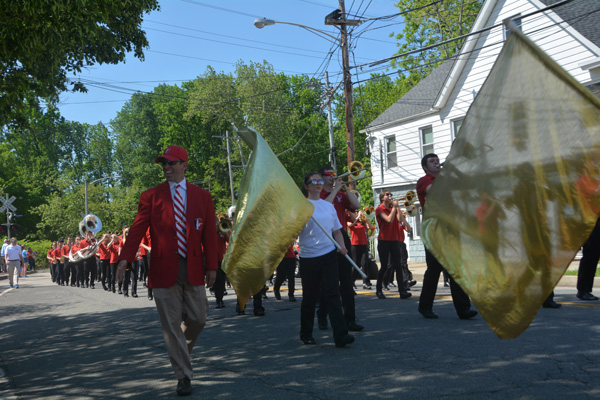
[{"x": 338, "y": 247}]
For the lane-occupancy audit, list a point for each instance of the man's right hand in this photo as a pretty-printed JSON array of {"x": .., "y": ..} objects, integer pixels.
[{"x": 121, "y": 266}]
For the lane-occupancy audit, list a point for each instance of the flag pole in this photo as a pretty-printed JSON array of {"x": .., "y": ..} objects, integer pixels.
[{"x": 337, "y": 245}]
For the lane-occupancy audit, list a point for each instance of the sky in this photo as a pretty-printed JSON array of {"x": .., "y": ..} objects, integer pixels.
[{"x": 187, "y": 36}]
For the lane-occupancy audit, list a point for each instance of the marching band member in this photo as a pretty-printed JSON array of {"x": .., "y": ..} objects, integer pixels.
[
  {"x": 286, "y": 270},
  {"x": 360, "y": 228},
  {"x": 114, "y": 246},
  {"x": 89, "y": 263},
  {"x": 219, "y": 286},
  {"x": 388, "y": 245},
  {"x": 319, "y": 267},
  {"x": 105, "y": 260},
  {"x": 58, "y": 269},
  {"x": 50, "y": 258},
  {"x": 342, "y": 202}
]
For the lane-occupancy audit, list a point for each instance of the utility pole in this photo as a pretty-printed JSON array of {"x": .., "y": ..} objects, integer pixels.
[
  {"x": 330, "y": 122},
  {"x": 338, "y": 19},
  {"x": 229, "y": 165}
]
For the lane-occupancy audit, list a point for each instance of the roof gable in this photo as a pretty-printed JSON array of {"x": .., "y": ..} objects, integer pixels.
[{"x": 419, "y": 99}]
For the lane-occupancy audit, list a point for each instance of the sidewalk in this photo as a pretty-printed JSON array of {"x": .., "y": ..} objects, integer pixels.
[{"x": 418, "y": 270}]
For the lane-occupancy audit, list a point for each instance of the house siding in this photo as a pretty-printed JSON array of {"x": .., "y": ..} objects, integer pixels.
[{"x": 561, "y": 42}]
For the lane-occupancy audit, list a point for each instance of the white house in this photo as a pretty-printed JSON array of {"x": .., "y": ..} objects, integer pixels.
[{"x": 428, "y": 117}]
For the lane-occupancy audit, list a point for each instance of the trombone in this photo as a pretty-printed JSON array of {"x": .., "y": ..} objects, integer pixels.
[
  {"x": 224, "y": 224},
  {"x": 369, "y": 211},
  {"x": 357, "y": 171}
]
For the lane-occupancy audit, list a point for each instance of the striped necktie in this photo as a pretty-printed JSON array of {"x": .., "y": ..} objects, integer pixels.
[{"x": 180, "y": 222}]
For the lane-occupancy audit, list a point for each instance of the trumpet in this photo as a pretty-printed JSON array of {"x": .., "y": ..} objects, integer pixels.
[
  {"x": 369, "y": 211},
  {"x": 224, "y": 224}
]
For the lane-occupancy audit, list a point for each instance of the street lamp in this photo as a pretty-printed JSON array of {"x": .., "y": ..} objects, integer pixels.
[
  {"x": 335, "y": 18},
  {"x": 97, "y": 180}
]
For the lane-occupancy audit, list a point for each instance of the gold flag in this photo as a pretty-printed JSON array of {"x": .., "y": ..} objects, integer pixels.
[
  {"x": 507, "y": 214},
  {"x": 270, "y": 214}
]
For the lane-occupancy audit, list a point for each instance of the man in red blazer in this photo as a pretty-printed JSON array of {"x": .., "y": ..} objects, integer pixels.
[{"x": 181, "y": 219}]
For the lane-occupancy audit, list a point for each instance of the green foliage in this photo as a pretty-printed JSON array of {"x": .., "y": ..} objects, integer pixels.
[
  {"x": 43, "y": 41},
  {"x": 42, "y": 247},
  {"x": 430, "y": 25}
]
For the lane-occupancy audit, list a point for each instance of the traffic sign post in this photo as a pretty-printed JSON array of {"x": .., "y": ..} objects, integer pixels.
[{"x": 7, "y": 205}]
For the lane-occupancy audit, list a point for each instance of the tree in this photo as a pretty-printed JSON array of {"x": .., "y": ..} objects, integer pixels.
[
  {"x": 428, "y": 25},
  {"x": 42, "y": 41}
]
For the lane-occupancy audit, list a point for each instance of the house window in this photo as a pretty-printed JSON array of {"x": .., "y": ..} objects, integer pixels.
[
  {"x": 390, "y": 150},
  {"x": 426, "y": 140},
  {"x": 456, "y": 125},
  {"x": 517, "y": 21}
]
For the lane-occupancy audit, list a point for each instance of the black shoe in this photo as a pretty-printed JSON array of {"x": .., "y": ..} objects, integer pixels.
[
  {"x": 104, "y": 286},
  {"x": 379, "y": 295},
  {"x": 354, "y": 327},
  {"x": 385, "y": 287},
  {"x": 220, "y": 304},
  {"x": 184, "y": 387},
  {"x": 126, "y": 294},
  {"x": 277, "y": 294},
  {"x": 120, "y": 291},
  {"x": 114, "y": 290},
  {"x": 467, "y": 314},
  {"x": 308, "y": 340},
  {"x": 239, "y": 311},
  {"x": 292, "y": 299},
  {"x": 446, "y": 284},
  {"x": 259, "y": 312},
  {"x": 323, "y": 325},
  {"x": 551, "y": 304},
  {"x": 225, "y": 293},
  {"x": 405, "y": 295},
  {"x": 92, "y": 286},
  {"x": 77, "y": 284},
  {"x": 586, "y": 296},
  {"x": 392, "y": 284},
  {"x": 367, "y": 287},
  {"x": 150, "y": 297},
  {"x": 412, "y": 283},
  {"x": 344, "y": 340},
  {"x": 87, "y": 285},
  {"x": 134, "y": 295},
  {"x": 429, "y": 314}
]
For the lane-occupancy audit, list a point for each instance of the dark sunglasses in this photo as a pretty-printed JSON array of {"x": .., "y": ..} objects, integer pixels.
[
  {"x": 171, "y": 163},
  {"x": 388, "y": 194},
  {"x": 316, "y": 181},
  {"x": 329, "y": 173}
]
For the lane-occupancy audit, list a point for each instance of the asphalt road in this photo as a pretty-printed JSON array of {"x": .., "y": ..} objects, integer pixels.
[{"x": 71, "y": 343}]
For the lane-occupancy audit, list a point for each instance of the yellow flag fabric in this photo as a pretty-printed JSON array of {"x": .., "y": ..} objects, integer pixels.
[
  {"x": 509, "y": 210},
  {"x": 270, "y": 214}
]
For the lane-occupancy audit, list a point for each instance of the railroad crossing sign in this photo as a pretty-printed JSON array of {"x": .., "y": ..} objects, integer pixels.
[{"x": 7, "y": 203}]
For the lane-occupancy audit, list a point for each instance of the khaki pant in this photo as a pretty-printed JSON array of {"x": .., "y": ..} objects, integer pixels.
[
  {"x": 13, "y": 272},
  {"x": 182, "y": 309}
]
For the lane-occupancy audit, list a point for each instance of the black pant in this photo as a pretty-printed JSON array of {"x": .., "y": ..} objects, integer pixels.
[
  {"x": 89, "y": 270},
  {"x": 285, "y": 270},
  {"x": 390, "y": 252},
  {"x": 589, "y": 261},
  {"x": 53, "y": 272},
  {"x": 80, "y": 277},
  {"x": 320, "y": 276},
  {"x": 145, "y": 267},
  {"x": 220, "y": 283},
  {"x": 360, "y": 255},
  {"x": 346, "y": 284},
  {"x": 113, "y": 276},
  {"x": 60, "y": 273},
  {"x": 131, "y": 276},
  {"x": 106, "y": 272},
  {"x": 431, "y": 278}
]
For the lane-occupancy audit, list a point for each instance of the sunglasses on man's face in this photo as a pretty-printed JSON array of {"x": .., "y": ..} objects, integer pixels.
[
  {"x": 171, "y": 163},
  {"x": 329, "y": 173},
  {"x": 317, "y": 181},
  {"x": 388, "y": 194}
]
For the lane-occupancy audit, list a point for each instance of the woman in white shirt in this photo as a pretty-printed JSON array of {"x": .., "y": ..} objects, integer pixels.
[{"x": 318, "y": 265}]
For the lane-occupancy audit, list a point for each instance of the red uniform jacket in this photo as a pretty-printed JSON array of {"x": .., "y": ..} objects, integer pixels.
[{"x": 155, "y": 211}]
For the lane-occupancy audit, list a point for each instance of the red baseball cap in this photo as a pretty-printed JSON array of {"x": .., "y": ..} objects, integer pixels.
[{"x": 173, "y": 153}]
